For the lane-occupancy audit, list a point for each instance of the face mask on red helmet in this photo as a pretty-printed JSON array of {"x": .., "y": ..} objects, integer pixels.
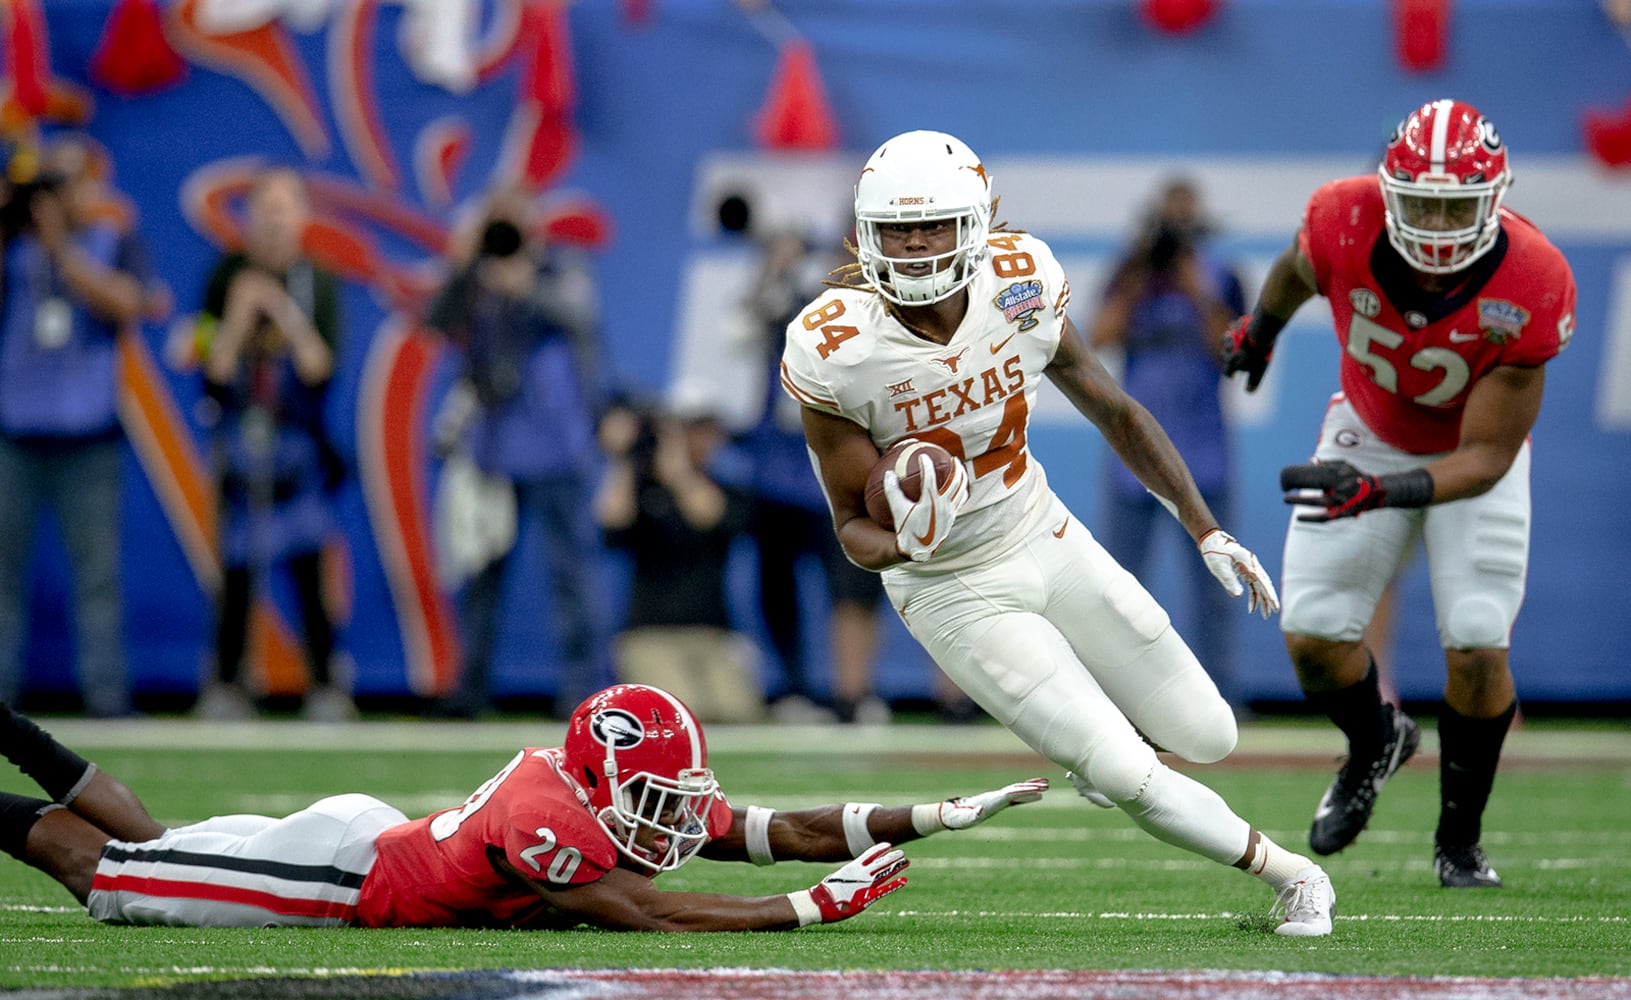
[{"x": 1443, "y": 177}]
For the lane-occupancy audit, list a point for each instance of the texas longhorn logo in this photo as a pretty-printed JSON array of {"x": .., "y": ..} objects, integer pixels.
[{"x": 950, "y": 363}]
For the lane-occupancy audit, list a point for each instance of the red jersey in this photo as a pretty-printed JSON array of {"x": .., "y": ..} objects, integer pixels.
[
  {"x": 1410, "y": 357},
  {"x": 440, "y": 871}
]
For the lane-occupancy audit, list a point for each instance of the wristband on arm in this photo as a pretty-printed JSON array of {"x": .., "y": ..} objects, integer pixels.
[
  {"x": 856, "y": 834},
  {"x": 756, "y": 830}
]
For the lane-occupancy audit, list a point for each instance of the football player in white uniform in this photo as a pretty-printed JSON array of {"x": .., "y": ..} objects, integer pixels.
[{"x": 943, "y": 332}]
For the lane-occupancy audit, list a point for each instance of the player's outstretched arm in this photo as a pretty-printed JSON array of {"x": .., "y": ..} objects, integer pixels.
[
  {"x": 1500, "y": 412},
  {"x": 836, "y": 832},
  {"x": 1129, "y": 429},
  {"x": 622, "y": 900},
  {"x": 1249, "y": 343}
]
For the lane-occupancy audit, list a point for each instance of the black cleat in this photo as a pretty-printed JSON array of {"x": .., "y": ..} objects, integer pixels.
[
  {"x": 1464, "y": 868},
  {"x": 1347, "y": 804}
]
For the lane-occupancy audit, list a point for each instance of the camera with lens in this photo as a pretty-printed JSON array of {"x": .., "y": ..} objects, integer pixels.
[
  {"x": 501, "y": 239},
  {"x": 1168, "y": 244},
  {"x": 17, "y": 208}
]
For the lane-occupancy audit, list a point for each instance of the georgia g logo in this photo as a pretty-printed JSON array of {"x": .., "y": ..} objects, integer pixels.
[
  {"x": 1487, "y": 135},
  {"x": 617, "y": 728}
]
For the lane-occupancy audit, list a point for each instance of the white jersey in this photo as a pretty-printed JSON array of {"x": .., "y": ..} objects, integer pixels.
[{"x": 848, "y": 355}]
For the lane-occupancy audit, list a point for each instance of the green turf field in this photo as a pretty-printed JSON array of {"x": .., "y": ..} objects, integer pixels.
[{"x": 1054, "y": 885}]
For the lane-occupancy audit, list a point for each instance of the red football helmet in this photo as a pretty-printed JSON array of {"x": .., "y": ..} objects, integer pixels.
[
  {"x": 1443, "y": 177},
  {"x": 640, "y": 754}
]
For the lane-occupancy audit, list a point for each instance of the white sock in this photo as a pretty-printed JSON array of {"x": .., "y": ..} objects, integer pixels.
[{"x": 1268, "y": 861}]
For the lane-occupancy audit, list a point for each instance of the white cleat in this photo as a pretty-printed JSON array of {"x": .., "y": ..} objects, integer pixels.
[
  {"x": 1306, "y": 903},
  {"x": 1088, "y": 792}
]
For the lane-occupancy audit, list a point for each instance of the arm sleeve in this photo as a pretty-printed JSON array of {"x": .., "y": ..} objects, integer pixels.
[
  {"x": 558, "y": 849},
  {"x": 1552, "y": 323},
  {"x": 802, "y": 376},
  {"x": 1311, "y": 237},
  {"x": 1055, "y": 292}
]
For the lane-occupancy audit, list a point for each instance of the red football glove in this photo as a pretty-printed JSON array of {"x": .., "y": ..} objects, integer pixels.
[
  {"x": 852, "y": 888},
  {"x": 1247, "y": 347},
  {"x": 1344, "y": 491}
]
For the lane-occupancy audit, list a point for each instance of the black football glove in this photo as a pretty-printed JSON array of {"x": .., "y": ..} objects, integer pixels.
[
  {"x": 1343, "y": 491},
  {"x": 1248, "y": 345}
]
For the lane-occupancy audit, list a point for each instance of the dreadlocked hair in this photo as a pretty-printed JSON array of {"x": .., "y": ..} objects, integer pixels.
[
  {"x": 1002, "y": 227},
  {"x": 848, "y": 275}
]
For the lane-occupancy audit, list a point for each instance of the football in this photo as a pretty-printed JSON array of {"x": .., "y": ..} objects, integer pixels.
[{"x": 902, "y": 457}]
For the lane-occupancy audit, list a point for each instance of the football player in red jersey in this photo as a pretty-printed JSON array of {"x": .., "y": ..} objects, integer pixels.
[
  {"x": 561, "y": 836},
  {"x": 1448, "y": 307}
]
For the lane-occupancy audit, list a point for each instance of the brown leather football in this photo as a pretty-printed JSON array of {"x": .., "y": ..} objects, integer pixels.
[{"x": 903, "y": 456}]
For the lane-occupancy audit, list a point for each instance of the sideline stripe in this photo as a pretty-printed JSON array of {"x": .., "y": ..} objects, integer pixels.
[
  {"x": 1443, "y": 918},
  {"x": 1290, "y": 744},
  {"x": 1188, "y": 862}
]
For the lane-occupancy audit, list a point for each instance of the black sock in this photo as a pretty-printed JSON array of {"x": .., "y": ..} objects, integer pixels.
[
  {"x": 57, "y": 769},
  {"x": 1469, "y": 751},
  {"x": 18, "y": 814},
  {"x": 1358, "y": 710}
]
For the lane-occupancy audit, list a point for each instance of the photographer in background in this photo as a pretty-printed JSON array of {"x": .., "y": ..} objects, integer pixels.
[
  {"x": 1166, "y": 304},
  {"x": 70, "y": 284},
  {"x": 667, "y": 500},
  {"x": 275, "y": 327},
  {"x": 523, "y": 316}
]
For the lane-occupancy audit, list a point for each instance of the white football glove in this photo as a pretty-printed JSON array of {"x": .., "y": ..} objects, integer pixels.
[
  {"x": 1238, "y": 570},
  {"x": 970, "y": 810},
  {"x": 922, "y": 526},
  {"x": 852, "y": 888}
]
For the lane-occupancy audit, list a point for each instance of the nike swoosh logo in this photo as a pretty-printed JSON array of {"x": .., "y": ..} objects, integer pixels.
[
  {"x": 1061, "y": 532},
  {"x": 1461, "y": 338},
  {"x": 923, "y": 539},
  {"x": 1001, "y": 344}
]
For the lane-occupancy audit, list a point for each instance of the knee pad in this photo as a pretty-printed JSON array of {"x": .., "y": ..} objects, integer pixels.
[
  {"x": 1121, "y": 771},
  {"x": 1475, "y": 622},
  {"x": 1215, "y": 740},
  {"x": 1322, "y": 612}
]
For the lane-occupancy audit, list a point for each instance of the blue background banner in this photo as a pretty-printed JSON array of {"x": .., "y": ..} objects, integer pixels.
[{"x": 1079, "y": 108}]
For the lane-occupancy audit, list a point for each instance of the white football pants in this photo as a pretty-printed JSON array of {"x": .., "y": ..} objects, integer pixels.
[
  {"x": 1477, "y": 549},
  {"x": 1068, "y": 650}
]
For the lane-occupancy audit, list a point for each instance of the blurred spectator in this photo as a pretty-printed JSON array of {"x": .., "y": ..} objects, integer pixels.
[
  {"x": 791, "y": 521},
  {"x": 1166, "y": 304},
  {"x": 71, "y": 282},
  {"x": 524, "y": 315},
  {"x": 663, "y": 501},
  {"x": 273, "y": 322}
]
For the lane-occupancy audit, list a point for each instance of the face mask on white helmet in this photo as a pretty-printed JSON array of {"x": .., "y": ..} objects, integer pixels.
[{"x": 920, "y": 177}]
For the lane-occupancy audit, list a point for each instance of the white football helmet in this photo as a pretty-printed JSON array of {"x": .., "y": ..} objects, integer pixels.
[{"x": 920, "y": 176}]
